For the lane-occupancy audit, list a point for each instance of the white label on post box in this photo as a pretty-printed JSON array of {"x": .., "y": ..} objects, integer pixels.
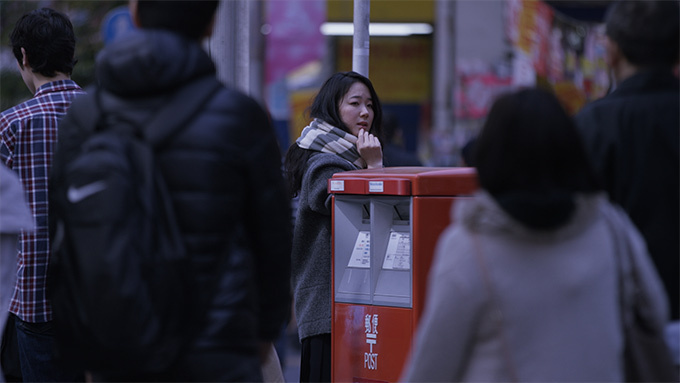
[
  {"x": 375, "y": 186},
  {"x": 398, "y": 255},
  {"x": 361, "y": 254},
  {"x": 337, "y": 185}
]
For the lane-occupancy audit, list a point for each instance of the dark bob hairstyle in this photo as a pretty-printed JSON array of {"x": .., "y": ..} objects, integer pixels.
[{"x": 530, "y": 158}]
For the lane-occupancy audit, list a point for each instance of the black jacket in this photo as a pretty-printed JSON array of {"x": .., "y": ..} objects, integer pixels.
[
  {"x": 632, "y": 136},
  {"x": 224, "y": 174}
]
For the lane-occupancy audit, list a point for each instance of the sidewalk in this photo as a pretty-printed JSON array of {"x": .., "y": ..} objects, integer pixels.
[
  {"x": 288, "y": 348},
  {"x": 291, "y": 365}
]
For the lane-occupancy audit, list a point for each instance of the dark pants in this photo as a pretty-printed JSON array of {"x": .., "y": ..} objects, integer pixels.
[
  {"x": 9, "y": 352},
  {"x": 36, "y": 353},
  {"x": 315, "y": 359}
]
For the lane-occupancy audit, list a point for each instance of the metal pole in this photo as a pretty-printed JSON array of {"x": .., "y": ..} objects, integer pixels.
[
  {"x": 221, "y": 45},
  {"x": 360, "y": 43},
  {"x": 242, "y": 70},
  {"x": 257, "y": 54},
  {"x": 444, "y": 66}
]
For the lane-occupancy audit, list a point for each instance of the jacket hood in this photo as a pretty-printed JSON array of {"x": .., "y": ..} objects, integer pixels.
[
  {"x": 483, "y": 214},
  {"x": 150, "y": 62}
]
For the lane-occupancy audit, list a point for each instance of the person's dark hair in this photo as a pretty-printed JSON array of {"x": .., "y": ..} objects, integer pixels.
[
  {"x": 645, "y": 31},
  {"x": 48, "y": 39},
  {"x": 326, "y": 107},
  {"x": 467, "y": 152},
  {"x": 530, "y": 158},
  {"x": 188, "y": 18}
]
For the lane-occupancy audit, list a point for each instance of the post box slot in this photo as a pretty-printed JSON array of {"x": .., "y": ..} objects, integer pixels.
[
  {"x": 401, "y": 214},
  {"x": 366, "y": 214},
  {"x": 372, "y": 250},
  {"x": 352, "y": 242}
]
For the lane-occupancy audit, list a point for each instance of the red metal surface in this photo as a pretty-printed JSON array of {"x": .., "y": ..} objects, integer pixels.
[
  {"x": 354, "y": 358},
  {"x": 432, "y": 181},
  {"x": 434, "y": 190}
]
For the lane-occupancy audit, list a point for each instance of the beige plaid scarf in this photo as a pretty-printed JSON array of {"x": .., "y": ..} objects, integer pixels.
[{"x": 324, "y": 137}]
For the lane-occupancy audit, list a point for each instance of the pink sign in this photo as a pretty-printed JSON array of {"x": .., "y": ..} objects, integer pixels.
[
  {"x": 476, "y": 93},
  {"x": 293, "y": 36}
]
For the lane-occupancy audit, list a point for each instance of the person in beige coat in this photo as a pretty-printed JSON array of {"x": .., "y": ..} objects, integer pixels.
[{"x": 524, "y": 285}]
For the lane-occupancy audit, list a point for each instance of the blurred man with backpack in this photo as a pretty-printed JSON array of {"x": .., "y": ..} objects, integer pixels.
[
  {"x": 43, "y": 44},
  {"x": 222, "y": 173}
]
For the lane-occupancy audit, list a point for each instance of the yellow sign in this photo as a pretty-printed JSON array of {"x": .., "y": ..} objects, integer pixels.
[
  {"x": 385, "y": 10},
  {"x": 399, "y": 67},
  {"x": 300, "y": 101}
]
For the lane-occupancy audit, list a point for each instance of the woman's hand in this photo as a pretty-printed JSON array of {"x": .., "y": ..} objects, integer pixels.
[{"x": 369, "y": 149}]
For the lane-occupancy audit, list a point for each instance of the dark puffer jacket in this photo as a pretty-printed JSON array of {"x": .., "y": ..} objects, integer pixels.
[
  {"x": 633, "y": 138},
  {"x": 223, "y": 172}
]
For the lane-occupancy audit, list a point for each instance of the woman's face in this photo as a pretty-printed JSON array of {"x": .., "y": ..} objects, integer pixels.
[{"x": 356, "y": 108}]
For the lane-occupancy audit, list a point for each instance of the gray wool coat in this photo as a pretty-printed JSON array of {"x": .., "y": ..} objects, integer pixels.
[{"x": 311, "y": 255}]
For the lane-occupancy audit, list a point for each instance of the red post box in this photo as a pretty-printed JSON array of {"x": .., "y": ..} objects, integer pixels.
[{"x": 386, "y": 223}]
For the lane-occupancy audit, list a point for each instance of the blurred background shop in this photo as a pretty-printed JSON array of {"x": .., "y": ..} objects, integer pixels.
[{"x": 436, "y": 64}]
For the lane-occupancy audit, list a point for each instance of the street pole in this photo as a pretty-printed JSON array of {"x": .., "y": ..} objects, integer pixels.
[
  {"x": 444, "y": 67},
  {"x": 360, "y": 42},
  {"x": 222, "y": 43},
  {"x": 237, "y": 45},
  {"x": 257, "y": 53},
  {"x": 242, "y": 72}
]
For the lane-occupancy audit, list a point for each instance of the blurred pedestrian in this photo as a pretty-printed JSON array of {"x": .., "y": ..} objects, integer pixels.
[
  {"x": 394, "y": 151},
  {"x": 524, "y": 284},
  {"x": 633, "y": 134},
  {"x": 15, "y": 217},
  {"x": 43, "y": 44},
  {"x": 223, "y": 173},
  {"x": 342, "y": 136},
  {"x": 467, "y": 152}
]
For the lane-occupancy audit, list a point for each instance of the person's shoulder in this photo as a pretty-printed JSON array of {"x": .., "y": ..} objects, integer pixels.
[
  {"x": 610, "y": 211},
  {"x": 596, "y": 113},
  {"x": 597, "y": 106},
  {"x": 230, "y": 99},
  {"x": 58, "y": 88},
  {"x": 22, "y": 111},
  {"x": 9, "y": 115}
]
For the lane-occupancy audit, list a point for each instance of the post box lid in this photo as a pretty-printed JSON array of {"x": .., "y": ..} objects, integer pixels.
[{"x": 408, "y": 180}]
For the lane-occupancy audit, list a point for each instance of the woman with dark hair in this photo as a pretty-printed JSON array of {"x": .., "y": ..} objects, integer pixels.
[
  {"x": 524, "y": 285},
  {"x": 342, "y": 136}
]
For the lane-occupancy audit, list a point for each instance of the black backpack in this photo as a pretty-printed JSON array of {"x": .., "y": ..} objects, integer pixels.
[{"x": 119, "y": 276}]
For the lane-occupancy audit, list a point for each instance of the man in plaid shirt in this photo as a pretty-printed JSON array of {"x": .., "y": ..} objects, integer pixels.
[{"x": 43, "y": 43}]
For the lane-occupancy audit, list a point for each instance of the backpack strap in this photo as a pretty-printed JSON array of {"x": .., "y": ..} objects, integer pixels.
[{"x": 182, "y": 107}]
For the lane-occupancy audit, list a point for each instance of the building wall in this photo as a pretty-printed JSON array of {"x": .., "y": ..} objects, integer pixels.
[{"x": 480, "y": 30}]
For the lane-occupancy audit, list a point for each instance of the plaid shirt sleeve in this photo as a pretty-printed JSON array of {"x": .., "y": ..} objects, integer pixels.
[{"x": 28, "y": 135}]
